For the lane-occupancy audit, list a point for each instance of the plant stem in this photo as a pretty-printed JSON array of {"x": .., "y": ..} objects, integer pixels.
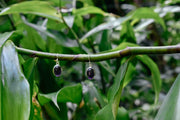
[
  {"x": 70, "y": 29},
  {"x": 129, "y": 51},
  {"x": 74, "y": 34}
]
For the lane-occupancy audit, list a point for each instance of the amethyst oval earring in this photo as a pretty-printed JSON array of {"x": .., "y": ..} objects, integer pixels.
[
  {"x": 90, "y": 71},
  {"x": 57, "y": 69}
]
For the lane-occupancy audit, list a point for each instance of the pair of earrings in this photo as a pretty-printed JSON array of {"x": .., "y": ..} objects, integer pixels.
[{"x": 57, "y": 70}]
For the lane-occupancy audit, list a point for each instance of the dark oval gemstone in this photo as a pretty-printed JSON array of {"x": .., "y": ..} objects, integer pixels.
[
  {"x": 90, "y": 73},
  {"x": 57, "y": 70}
]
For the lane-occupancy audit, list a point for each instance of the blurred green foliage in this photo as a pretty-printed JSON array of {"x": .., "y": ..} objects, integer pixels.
[{"x": 139, "y": 83}]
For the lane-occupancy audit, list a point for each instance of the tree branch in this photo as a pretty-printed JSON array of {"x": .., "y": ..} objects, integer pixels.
[{"x": 102, "y": 56}]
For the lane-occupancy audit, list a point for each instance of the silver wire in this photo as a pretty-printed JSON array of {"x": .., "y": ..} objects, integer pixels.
[{"x": 90, "y": 65}]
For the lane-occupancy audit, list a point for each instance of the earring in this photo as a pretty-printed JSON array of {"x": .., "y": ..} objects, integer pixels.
[
  {"x": 57, "y": 69},
  {"x": 90, "y": 71}
]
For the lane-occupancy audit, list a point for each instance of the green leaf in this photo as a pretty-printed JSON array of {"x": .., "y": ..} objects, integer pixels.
[
  {"x": 91, "y": 92},
  {"x": 14, "y": 88},
  {"x": 34, "y": 36},
  {"x": 69, "y": 20},
  {"x": 162, "y": 11},
  {"x": 117, "y": 87},
  {"x": 70, "y": 94},
  {"x": 36, "y": 40},
  {"x": 88, "y": 10},
  {"x": 121, "y": 47},
  {"x": 130, "y": 72},
  {"x": 148, "y": 13},
  {"x": 67, "y": 94},
  {"x": 122, "y": 114},
  {"x": 105, "y": 113},
  {"x": 175, "y": 1},
  {"x": 156, "y": 80},
  {"x": 105, "y": 44},
  {"x": 54, "y": 25},
  {"x": 4, "y": 37},
  {"x": 5, "y": 24},
  {"x": 106, "y": 67},
  {"x": 33, "y": 40},
  {"x": 53, "y": 113},
  {"x": 105, "y": 26},
  {"x": 78, "y": 21},
  {"x": 29, "y": 69},
  {"x": 124, "y": 45},
  {"x": 63, "y": 2},
  {"x": 92, "y": 100},
  {"x": 127, "y": 33},
  {"x": 40, "y": 8},
  {"x": 170, "y": 107},
  {"x": 109, "y": 112}
]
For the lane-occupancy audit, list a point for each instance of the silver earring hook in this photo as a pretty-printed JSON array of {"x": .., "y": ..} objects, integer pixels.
[
  {"x": 90, "y": 71},
  {"x": 57, "y": 61},
  {"x": 57, "y": 68},
  {"x": 90, "y": 65}
]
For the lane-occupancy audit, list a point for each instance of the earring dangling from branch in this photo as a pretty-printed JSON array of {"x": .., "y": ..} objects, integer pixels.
[
  {"x": 90, "y": 71},
  {"x": 57, "y": 69}
]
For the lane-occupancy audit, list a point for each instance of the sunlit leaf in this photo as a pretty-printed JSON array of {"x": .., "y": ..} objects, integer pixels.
[
  {"x": 148, "y": 13},
  {"x": 170, "y": 107},
  {"x": 15, "y": 91},
  {"x": 88, "y": 10},
  {"x": 40, "y": 8}
]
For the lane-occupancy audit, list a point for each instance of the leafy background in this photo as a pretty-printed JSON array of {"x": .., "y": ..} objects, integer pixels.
[{"x": 29, "y": 90}]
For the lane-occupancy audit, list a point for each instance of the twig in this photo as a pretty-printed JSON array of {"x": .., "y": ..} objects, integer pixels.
[{"x": 102, "y": 56}]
